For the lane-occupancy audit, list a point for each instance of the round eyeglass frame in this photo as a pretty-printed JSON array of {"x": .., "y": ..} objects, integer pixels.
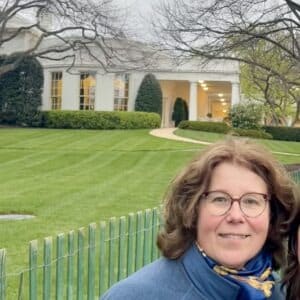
[{"x": 265, "y": 196}]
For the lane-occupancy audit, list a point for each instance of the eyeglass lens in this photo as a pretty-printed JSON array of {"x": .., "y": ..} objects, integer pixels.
[{"x": 251, "y": 204}]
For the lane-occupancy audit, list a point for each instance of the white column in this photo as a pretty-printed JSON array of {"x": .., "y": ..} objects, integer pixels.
[
  {"x": 46, "y": 101},
  {"x": 193, "y": 109},
  {"x": 70, "y": 91},
  {"x": 235, "y": 93},
  {"x": 105, "y": 92}
]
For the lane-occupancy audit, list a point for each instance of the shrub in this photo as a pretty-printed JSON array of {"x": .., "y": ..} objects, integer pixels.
[
  {"x": 253, "y": 133},
  {"x": 284, "y": 133},
  {"x": 21, "y": 92},
  {"x": 246, "y": 116},
  {"x": 219, "y": 127},
  {"x": 149, "y": 96},
  {"x": 100, "y": 120},
  {"x": 180, "y": 112}
]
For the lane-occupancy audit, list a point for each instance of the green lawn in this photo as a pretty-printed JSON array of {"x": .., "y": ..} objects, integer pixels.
[
  {"x": 291, "y": 149},
  {"x": 70, "y": 178}
]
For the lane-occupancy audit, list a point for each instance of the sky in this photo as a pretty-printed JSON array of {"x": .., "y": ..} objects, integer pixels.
[{"x": 139, "y": 14}]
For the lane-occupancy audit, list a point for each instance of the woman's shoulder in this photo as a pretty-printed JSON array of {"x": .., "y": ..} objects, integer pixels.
[{"x": 162, "y": 278}]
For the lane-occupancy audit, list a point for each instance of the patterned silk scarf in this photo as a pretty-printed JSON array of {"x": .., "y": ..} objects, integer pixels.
[{"x": 255, "y": 279}]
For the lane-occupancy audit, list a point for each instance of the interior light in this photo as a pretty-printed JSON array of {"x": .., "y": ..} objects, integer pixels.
[
  {"x": 205, "y": 88},
  {"x": 222, "y": 99},
  {"x": 223, "y": 103},
  {"x": 224, "y": 111},
  {"x": 220, "y": 95},
  {"x": 201, "y": 81}
]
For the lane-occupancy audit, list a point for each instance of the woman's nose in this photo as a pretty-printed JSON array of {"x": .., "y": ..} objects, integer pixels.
[{"x": 235, "y": 213}]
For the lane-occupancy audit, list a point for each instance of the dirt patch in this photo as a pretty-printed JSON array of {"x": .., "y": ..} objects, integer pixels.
[{"x": 15, "y": 217}]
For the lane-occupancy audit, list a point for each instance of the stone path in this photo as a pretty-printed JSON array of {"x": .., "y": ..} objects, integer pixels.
[{"x": 168, "y": 133}]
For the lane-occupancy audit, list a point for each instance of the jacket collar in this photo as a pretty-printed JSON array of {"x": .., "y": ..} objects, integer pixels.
[{"x": 204, "y": 279}]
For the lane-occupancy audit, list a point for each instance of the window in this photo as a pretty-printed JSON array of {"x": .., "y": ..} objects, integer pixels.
[
  {"x": 87, "y": 91},
  {"x": 121, "y": 86},
  {"x": 56, "y": 90}
]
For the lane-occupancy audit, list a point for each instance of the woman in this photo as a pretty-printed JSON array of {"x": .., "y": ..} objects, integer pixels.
[
  {"x": 225, "y": 218},
  {"x": 292, "y": 273}
]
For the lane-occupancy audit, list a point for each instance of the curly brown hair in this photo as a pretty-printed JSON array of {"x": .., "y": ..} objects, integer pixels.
[
  {"x": 291, "y": 276},
  {"x": 182, "y": 199}
]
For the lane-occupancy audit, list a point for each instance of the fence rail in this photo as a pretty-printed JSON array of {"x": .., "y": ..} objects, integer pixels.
[{"x": 84, "y": 264}]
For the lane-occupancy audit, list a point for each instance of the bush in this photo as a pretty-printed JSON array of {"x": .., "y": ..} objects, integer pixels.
[
  {"x": 21, "y": 92},
  {"x": 100, "y": 120},
  {"x": 180, "y": 112},
  {"x": 253, "y": 133},
  {"x": 246, "y": 116},
  {"x": 219, "y": 127},
  {"x": 149, "y": 96},
  {"x": 284, "y": 133}
]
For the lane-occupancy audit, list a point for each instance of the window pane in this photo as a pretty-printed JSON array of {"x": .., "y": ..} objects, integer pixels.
[
  {"x": 56, "y": 90},
  {"x": 87, "y": 91},
  {"x": 121, "y": 84}
]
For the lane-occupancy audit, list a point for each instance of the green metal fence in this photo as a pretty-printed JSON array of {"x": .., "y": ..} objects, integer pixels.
[{"x": 84, "y": 264}]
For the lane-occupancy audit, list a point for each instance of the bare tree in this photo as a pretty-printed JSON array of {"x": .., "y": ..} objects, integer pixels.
[
  {"x": 89, "y": 27},
  {"x": 226, "y": 29}
]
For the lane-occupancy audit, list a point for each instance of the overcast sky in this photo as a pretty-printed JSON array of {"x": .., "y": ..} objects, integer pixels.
[{"x": 139, "y": 14}]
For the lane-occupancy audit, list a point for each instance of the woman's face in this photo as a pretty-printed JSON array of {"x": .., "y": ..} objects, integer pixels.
[{"x": 233, "y": 239}]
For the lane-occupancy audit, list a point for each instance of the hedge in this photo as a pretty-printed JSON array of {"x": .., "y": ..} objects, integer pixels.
[
  {"x": 253, "y": 133},
  {"x": 100, "y": 120},
  {"x": 284, "y": 133},
  {"x": 219, "y": 127}
]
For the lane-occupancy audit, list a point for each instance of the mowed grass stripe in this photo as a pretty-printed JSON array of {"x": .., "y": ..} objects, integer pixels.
[{"x": 273, "y": 145}]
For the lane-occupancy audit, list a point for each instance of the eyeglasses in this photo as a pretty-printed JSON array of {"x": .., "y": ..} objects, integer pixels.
[{"x": 219, "y": 203}]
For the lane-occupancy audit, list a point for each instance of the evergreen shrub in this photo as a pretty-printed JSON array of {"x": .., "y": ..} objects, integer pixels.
[
  {"x": 149, "y": 96},
  {"x": 219, "y": 127},
  {"x": 253, "y": 133},
  {"x": 100, "y": 120},
  {"x": 180, "y": 111},
  {"x": 21, "y": 92},
  {"x": 284, "y": 133}
]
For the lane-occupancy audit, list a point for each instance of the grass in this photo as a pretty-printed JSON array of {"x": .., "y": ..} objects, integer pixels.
[
  {"x": 291, "y": 150},
  {"x": 70, "y": 178}
]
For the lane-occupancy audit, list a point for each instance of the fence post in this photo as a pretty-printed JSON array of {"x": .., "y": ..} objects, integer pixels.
[
  {"x": 130, "y": 245},
  {"x": 91, "y": 261},
  {"x": 154, "y": 251},
  {"x": 2, "y": 273},
  {"x": 47, "y": 268},
  {"x": 147, "y": 237},
  {"x": 33, "y": 248},
  {"x": 112, "y": 252},
  {"x": 102, "y": 258},
  {"x": 122, "y": 249},
  {"x": 139, "y": 241},
  {"x": 70, "y": 265},
  {"x": 80, "y": 264},
  {"x": 60, "y": 266}
]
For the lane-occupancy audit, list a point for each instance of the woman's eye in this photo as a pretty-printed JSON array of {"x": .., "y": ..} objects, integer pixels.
[
  {"x": 220, "y": 200},
  {"x": 250, "y": 201}
]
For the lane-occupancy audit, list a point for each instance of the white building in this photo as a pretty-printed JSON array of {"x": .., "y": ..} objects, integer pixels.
[{"x": 209, "y": 88}]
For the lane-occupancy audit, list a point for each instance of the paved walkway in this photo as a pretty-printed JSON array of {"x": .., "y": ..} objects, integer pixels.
[{"x": 168, "y": 133}]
